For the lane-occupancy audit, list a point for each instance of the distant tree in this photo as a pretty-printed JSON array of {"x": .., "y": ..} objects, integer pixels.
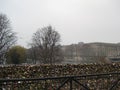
[
  {"x": 16, "y": 55},
  {"x": 47, "y": 41},
  {"x": 7, "y": 37},
  {"x": 32, "y": 55}
]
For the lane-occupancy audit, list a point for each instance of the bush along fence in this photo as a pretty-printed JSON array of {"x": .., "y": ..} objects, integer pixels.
[{"x": 61, "y": 77}]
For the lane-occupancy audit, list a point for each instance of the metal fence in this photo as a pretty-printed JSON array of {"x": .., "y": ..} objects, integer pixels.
[{"x": 104, "y": 81}]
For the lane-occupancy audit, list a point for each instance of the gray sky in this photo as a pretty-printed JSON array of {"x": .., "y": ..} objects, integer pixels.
[{"x": 75, "y": 20}]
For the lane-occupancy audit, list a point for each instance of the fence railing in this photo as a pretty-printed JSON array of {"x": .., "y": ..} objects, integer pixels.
[{"x": 104, "y": 81}]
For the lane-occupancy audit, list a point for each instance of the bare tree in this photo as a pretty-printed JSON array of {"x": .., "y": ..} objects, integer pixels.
[
  {"x": 32, "y": 55},
  {"x": 7, "y": 37},
  {"x": 47, "y": 41}
]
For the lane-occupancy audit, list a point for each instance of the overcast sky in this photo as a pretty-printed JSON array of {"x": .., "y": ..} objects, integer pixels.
[{"x": 75, "y": 20}]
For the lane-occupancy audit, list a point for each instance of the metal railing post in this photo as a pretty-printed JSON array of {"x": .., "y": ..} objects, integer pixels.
[{"x": 71, "y": 83}]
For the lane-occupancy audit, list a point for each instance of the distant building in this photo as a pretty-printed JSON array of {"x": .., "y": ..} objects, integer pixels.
[{"x": 91, "y": 53}]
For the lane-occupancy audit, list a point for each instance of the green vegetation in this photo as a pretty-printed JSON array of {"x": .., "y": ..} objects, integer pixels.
[{"x": 16, "y": 55}]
